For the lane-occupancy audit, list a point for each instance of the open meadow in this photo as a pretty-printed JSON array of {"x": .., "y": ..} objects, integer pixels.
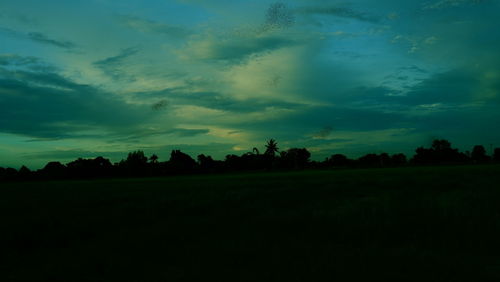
[{"x": 393, "y": 224}]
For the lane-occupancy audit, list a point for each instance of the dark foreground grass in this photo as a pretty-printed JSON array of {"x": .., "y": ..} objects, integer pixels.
[{"x": 409, "y": 224}]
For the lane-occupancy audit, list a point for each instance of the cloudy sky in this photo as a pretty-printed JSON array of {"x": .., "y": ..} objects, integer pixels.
[{"x": 85, "y": 78}]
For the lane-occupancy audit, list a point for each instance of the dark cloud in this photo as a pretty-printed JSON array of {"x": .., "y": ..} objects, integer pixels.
[
  {"x": 39, "y": 38},
  {"x": 456, "y": 86},
  {"x": 15, "y": 60},
  {"x": 47, "y": 105},
  {"x": 324, "y": 132},
  {"x": 188, "y": 132},
  {"x": 148, "y": 26},
  {"x": 216, "y": 101},
  {"x": 138, "y": 135},
  {"x": 342, "y": 118},
  {"x": 114, "y": 66},
  {"x": 42, "y": 38},
  {"x": 160, "y": 105}
]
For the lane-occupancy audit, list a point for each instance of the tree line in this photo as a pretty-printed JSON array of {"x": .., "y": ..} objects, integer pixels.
[{"x": 137, "y": 164}]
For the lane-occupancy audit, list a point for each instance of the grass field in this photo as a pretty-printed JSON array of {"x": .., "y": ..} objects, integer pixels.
[{"x": 401, "y": 224}]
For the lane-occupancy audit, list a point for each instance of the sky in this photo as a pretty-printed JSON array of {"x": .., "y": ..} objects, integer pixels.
[{"x": 103, "y": 78}]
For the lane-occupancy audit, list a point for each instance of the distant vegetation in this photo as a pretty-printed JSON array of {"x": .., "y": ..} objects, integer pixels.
[{"x": 137, "y": 164}]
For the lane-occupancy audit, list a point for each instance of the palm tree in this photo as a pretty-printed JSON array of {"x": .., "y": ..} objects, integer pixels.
[{"x": 271, "y": 147}]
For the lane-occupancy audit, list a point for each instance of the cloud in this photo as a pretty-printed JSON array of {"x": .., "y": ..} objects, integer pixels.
[
  {"x": 42, "y": 38},
  {"x": 47, "y": 105},
  {"x": 16, "y": 60},
  {"x": 338, "y": 11},
  {"x": 39, "y": 38},
  {"x": 442, "y": 4},
  {"x": 114, "y": 66},
  {"x": 183, "y": 132},
  {"x": 451, "y": 87},
  {"x": 234, "y": 48},
  {"x": 214, "y": 101},
  {"x": 323, "y": 133},
  {"x": 148, "y": 26}
]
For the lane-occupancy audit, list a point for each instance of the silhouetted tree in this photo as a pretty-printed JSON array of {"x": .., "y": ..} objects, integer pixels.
[
  {"x": 252, "y": 161},
  {"x": 384, "y": 159},
  {"x": 496, "y": 155},
  {"x": 136, "y": 164},
  {"x": 398, "y": 159},
  {"x": 83, "y": 168},
  {"x": 232, "y": 162},
  {"x": 136, "y": 159},
  {"x": 440, "y": 152},
  {"x": 54, "y": 170},
  {"x": 206, "y": 163},
  {"x": 271, "y": 148},
  {"x": 369, "y": 160},
  {"x": 153, "y": 159},
  {"x": 478, "y": 154},
  {"x": 180, "y": 162},
  {"x": 10, "y": 173},
  {"x": 295, "y": 158},
  {"x": 24, "y": 173},
  {"x": 338, "y": 160}
]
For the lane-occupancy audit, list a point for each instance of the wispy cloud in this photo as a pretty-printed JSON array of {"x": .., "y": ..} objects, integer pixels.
[
  {"x": 42, "y": 38},
  {"x": 338, "y": 11},
  {"x": 39, "y": 38},
  {"x": 234, "y": 48},
  {"x": 114, "y": 66},
  {"x": 149, "y": 26},
  {"x": 16, "y": 60},
  {"x": 450, "y": 3}
]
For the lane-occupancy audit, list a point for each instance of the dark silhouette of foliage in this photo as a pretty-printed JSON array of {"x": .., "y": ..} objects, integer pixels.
[
  {"x": 440, "y": 152},
  {"x": 295, "y": 158},
  {"x": 338, "y": 160},
  {"x": 180, "y": 162},
  {"x": 207, "y": 164},
  {"x": 54, "y": 170},
  {"x": 369, "y": 160},
  {"x": 24, "y": 173},
  {"x": 398, "y": 159},
  {"x": 478, "y": 154},
  {"x": 232, "y": 162},
  {"x": 153, "y": 159},
  {"x": 136, "y": 159},
  {"x": 271, "y": 148},
  {"x": 138, "y": 165},
  {"x": 98, "y": 167},
  {"x": 8, "y": 173},
  {"x": 496, "y": 155},
  {"x": 384, "y": 159}
]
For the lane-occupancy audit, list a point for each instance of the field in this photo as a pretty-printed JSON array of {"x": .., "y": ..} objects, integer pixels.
[{"x": 398, "y": 224}]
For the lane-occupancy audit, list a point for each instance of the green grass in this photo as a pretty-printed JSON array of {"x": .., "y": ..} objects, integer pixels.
[{"x": 402, "y": 224}]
